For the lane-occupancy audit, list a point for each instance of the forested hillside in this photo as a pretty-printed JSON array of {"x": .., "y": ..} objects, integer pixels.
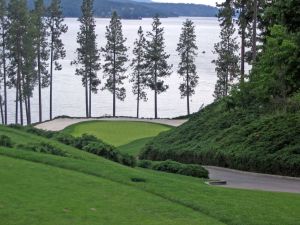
[
  {"x": 133, "y": 9},
  {"x": 254, "y": 124}
]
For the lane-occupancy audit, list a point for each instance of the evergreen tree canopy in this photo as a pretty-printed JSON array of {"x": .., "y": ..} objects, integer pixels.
[
  {"x": 156, "y": 60},
  {"x": 187, "y": 50},
  {"x": 227, "y": 63},
  {"x": 139, "y": 73},
  {"x": 115, "y": 58}
]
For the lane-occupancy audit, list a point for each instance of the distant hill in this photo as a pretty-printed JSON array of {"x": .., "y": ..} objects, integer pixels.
[{"x": 130, "y": 9}]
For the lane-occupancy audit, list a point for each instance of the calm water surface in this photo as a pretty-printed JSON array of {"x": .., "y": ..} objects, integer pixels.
[{"x": 69, "y": 98}]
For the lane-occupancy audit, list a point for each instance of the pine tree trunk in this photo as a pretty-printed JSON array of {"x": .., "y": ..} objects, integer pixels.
[
  {"x": 254, "y": 38},
  {"x": 138, "y": 98},
  {"x": 86, "y": 97},
  {"x": 114, "y": 85},
  {"x": 23, "y": 84},
  {"x": 1, "y": 110},
  {"x": 4, "y": 79},
  {"x": 155, "y": 95},
  {"x": 29, "y": 111},
  {"x": 40, "y": 86},
  {"x": 90, "y": 99},
  {"x": 243, "y": 56},
  {"x": 16, "y": 101},
  {"x": 51, "y": 77},
  {"x": 188, "y": 93},
  {"x": 21, "y": 103}
]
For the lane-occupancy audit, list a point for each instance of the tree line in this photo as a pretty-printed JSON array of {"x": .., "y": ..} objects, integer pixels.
[
  {"x": 149, "y": 64},
  {"x": 32, "y": 47}
]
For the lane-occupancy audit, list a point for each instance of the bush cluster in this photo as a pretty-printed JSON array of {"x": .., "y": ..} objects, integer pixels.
[
  {"x": 43, "y": 147},
  {"x": 88, "y": 143},
  {"x": 175, "y": 167},
  {"x": 5, "y": 141},
  {"x": 92, "y": 144}
]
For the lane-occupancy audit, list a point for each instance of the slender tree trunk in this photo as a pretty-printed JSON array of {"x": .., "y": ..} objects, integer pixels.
[
  {"x": 25, "y": 97},
  {"x": 138, "y": 98},
  {"x": 114, "y": 85},
  {"x": 188, "y": 93},
  {"x": 188, "y": 84},
  {"x": 155, "y": 95},
  {"x": 254, "y": 38},
  {"x": 51, "y": 76},
  {"x": 90, "y": 99},
  {"x": 17, "y": 98},
  {"x": 40, "y": 85},
  {"x": 243, "y": 56},
  {"x": 1, "y": 110},
  {"x": 18, "y": 89},
  {"x": 86, "y": 96},
  {"x": 21, "y": 103},
  {"x": 29, "y": 110},
  {"x": 4, "y": 79}
]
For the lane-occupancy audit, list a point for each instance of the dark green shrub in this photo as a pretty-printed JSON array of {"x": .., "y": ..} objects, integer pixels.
[
  {"x": 194, "y": 171},
  {"x": 147, "y": 164},
  {"x": 39, "y": 132},
  {"x": 43, "y": 147},
  {"x": 178, "y": 168},
  {"x": 66, "y": 139},
  {"x": 84, "y": 140},
  {"x": 109, "y": 152},
  {"x": 5, "y": 141}
]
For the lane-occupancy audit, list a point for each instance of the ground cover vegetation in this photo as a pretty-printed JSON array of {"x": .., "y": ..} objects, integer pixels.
[
  {"x": 76, "y": 188},
  {"x": 254, "y": 123}
]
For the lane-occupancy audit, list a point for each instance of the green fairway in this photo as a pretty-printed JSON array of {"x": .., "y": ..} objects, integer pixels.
[
  {"x": 117, "y": 133},
  {"x": 38, "y": 188}
]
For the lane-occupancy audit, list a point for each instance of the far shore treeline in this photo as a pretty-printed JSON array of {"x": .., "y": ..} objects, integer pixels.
[{"x": 31, "y": 48}]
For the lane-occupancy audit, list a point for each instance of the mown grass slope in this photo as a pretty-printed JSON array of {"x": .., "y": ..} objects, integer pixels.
[
  {"x": 84, "y": 181},
  {"x": 240, "y": 138}
]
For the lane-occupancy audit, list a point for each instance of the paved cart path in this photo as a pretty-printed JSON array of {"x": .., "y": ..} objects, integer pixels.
[
  {"x": 255, "y": 181},
  {"x": 234, "y": 178}
]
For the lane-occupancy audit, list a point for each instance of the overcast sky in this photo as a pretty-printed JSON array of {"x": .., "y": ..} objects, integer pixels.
[{"x": 206, "y": 2}]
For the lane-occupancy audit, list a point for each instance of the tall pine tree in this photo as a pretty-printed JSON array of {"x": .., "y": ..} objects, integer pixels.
[
  {"x": 88, "y": 55},
  {"x": 3, "y": 54},
  {"x": 227, "y": 63},
  {"x": 55, "y": 22},
  {"x": 19, "y": 20},
  {"x": 156, "y": 61},
  {"x": 115, "y": 58},
  {"x": 138, "y": 77},
  {"x": 41, "y": 45},
  {"x": 187, "y": 49}
]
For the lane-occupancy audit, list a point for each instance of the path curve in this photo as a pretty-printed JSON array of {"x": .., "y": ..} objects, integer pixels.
[
  {"x": 234, "y": 178},
  {"x": 61, "y": 123},
  {"x": 254, "y": 181}
]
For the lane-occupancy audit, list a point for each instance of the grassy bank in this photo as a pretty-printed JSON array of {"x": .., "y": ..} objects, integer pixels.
[
  {"x": 242, "y": 139},
  {"x": 39, "y": 186}
]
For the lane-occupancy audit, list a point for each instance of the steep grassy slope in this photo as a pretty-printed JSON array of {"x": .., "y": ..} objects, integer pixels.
[
  {"x": 236, "y": 138},
  {"x": 192, "y": 201}
]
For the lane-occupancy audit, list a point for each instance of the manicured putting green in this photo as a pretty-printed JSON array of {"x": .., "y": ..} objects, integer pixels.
[{"x": 117, "y": 133}]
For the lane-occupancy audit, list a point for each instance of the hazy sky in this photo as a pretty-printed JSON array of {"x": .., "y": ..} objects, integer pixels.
[{"x": 206, "y": 2}]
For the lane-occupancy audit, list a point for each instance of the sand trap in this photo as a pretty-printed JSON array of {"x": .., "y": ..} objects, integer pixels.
[{"x": 62, "y": 123}]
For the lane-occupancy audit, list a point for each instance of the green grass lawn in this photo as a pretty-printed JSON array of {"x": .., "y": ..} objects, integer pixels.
[
  {"x": 129, "y": 137},
  {"x": 86, "y": 189}
]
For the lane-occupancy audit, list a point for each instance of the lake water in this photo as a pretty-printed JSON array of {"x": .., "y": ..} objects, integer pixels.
[{"x": 69, "y": 98}]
